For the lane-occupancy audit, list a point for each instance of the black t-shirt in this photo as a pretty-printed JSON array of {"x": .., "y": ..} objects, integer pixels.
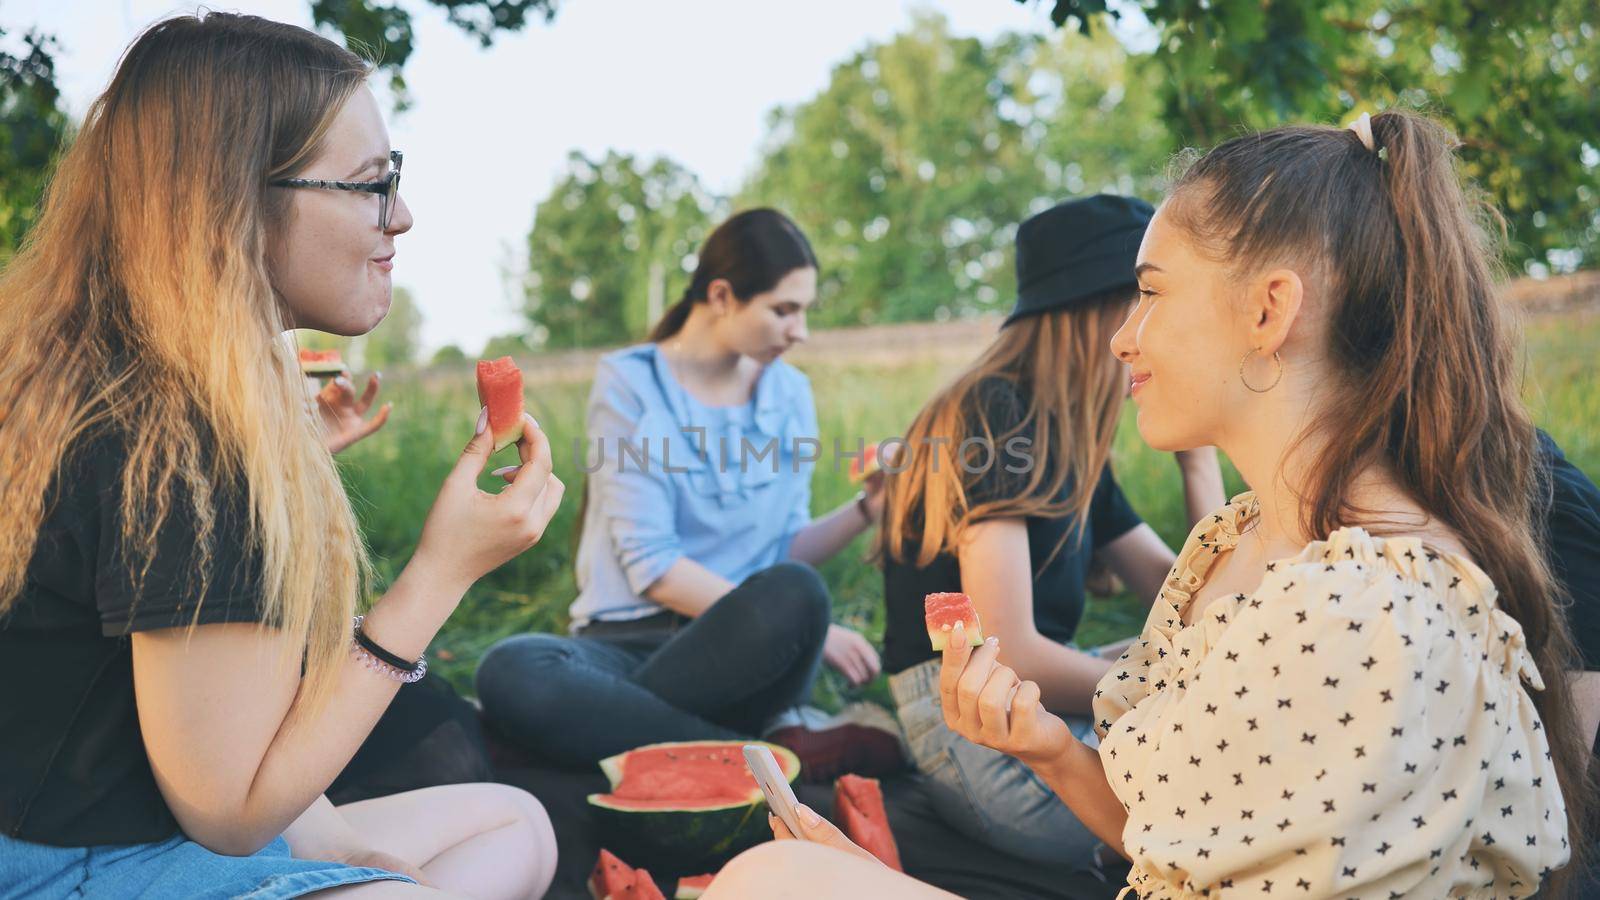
[
  {"x": 1058, "y": 594},
  {"x": 1574, "y": 534},
  {"x": 73, "y": 769}
]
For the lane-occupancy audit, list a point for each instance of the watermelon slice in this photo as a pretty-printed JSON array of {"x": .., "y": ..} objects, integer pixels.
[
  {"x": 691, "y": 888},
  {"x": 943, "y": 611},
  {"x": 614, "y": 879},
  {"x": 685, "y": 806},
  {"x": 858, "y": 805},
  {"x": 500, "y": 389},
  {"x": 864, "y": 465},
  {"x": 321, "y": 363}
]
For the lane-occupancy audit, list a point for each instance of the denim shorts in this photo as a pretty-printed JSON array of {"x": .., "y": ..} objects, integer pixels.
[
  {"x": 986, "y": 795},
  {"x": 175, "y": 868}
]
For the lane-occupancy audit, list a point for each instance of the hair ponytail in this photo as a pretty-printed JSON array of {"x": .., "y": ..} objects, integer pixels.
[
  {"x": 752, "y": 251},
  {"x": 1427, "y": 355},
  {"x": 672, "y": 322}
]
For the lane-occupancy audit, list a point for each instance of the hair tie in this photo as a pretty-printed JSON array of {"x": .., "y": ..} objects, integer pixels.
[{"x": 1362, "y": 126}]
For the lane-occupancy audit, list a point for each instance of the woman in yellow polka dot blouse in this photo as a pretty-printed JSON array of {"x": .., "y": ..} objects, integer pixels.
[{"x": 1352, "y": 683}]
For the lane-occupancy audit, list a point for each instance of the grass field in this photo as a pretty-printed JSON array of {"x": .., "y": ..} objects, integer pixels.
[{"x": 394, "y": 475}]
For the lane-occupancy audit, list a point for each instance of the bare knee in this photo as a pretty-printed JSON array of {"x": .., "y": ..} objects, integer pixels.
[
  {"x": 767, "y": 870},
  {"x": 531, "y": 818}
]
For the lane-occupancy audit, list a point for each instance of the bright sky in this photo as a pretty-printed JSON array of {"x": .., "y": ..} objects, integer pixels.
[{"x": 489, "y": 130}]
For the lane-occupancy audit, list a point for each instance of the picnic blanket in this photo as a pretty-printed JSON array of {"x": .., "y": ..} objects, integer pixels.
[{"x": 930, "y": 850}]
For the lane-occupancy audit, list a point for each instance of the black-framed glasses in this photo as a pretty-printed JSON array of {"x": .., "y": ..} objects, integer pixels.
[{"x": 387, "y": 188}]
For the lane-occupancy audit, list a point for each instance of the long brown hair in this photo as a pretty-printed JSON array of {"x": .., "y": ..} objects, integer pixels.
[
  {"x": 1073, "y": 388},
  {"x": 1425, "y": 353},
  {"x": 141, "y": 306}
]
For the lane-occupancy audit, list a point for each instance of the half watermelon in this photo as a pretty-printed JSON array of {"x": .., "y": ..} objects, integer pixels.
[
  {"x": 500, "y": 389},
  {"x": 688, "y": 806},
  {"x": 943, "y": 611}
]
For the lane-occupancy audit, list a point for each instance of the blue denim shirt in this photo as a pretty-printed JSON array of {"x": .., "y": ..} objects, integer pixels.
[{"x": 669, "y": 477}]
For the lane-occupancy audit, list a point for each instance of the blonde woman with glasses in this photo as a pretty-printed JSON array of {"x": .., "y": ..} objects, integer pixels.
[{"x": 179, "y": 564}]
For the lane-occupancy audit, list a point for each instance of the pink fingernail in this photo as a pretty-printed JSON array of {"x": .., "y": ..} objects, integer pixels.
[
  {"x": 809, "y": 816},
  {"x": 504, "y": 470},
  {"x": 483, "y": 420}
]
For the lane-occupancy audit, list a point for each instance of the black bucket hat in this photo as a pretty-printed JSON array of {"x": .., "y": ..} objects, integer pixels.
[{"x": 1076, "y": 250}]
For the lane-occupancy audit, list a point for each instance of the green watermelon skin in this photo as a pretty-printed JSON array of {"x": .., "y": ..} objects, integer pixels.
[
  {"x": 689, "y": 836},
  {"x": 683, "y": 840}
]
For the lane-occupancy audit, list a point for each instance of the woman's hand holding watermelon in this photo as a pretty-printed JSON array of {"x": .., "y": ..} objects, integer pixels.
[
  {"x": 470, "y": 532},
  {"x": 986, "y": 703}
]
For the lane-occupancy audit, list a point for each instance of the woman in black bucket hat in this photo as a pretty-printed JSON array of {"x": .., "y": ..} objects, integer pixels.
[{"x": 1006, "y": 493}]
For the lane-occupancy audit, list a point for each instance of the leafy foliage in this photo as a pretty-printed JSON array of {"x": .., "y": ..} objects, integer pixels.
[
  {"x": 384, "y": 30},
  {"x": 32, "y": 128},
  {"x": 912, "y": 168},
  {"x": 1516, "y": 79},
  {"x": 612, "y": 231}
]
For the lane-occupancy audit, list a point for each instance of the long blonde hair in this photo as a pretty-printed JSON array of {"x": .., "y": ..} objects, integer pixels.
[
  {"x": 140, "y": 306},
  {"x": 1074, "y": 388}
]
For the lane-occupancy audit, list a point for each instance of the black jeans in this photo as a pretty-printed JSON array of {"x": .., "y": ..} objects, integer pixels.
[{"x": 620, "y": 685}]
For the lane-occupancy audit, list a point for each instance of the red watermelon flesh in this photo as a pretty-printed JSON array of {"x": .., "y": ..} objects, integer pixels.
[
  {"x": 669, "y": 775},
  {"x": 500, "y": 389},
  {"x": 644, "y": 888},
  {"x": 611, "y": 876},
  {"x": 858, "y": 805},
  {"x": 691, "y": 888},
  {"x": 321, "y": 362},
  {"x": 865, "y": 464},
  {"x": 614, "y": 879},
  {"x": 943, "y": 611}
]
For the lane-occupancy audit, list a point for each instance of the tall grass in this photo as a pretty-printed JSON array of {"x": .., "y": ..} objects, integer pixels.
[{"x": 394, "y": 475}]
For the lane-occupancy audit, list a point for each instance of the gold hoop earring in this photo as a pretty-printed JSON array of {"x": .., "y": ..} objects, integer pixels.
[{"x": 1275, "y": 358}]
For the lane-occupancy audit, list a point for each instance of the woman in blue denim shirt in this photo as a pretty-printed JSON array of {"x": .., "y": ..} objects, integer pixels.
[{"x": 698, "y": 614}]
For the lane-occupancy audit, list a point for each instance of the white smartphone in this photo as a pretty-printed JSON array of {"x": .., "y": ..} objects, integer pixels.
[{"x": 780, "y": 797}]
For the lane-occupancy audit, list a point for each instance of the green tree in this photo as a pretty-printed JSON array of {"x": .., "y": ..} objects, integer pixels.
[
  {"x": 505, "y": 345},
  {"x": 906, "y": 176},
  {"x": 398, "y": 338},
  {"x": 448, "y": 355},
  {"x": 1514, "y": 78},
  {"x": 32, "y": 128},
  {"x": 384, "y": 29},
  {"x": 912, "y": 168},
  {"x": 612, "y": 234}
]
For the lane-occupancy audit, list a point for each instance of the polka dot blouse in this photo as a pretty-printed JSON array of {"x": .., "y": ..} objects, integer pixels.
[{"x": 1356, "y": 728}]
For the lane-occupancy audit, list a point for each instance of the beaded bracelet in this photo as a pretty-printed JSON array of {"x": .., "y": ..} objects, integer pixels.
[{"x": 368, "y": 653}]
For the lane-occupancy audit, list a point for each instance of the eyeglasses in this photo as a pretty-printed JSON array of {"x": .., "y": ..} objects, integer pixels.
[{"x": 387, "y": 188}]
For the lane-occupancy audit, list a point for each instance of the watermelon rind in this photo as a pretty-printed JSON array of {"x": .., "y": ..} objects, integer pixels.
[
  {"x": 697, "y": 836},
  {"x": 692, "y": 888}
]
